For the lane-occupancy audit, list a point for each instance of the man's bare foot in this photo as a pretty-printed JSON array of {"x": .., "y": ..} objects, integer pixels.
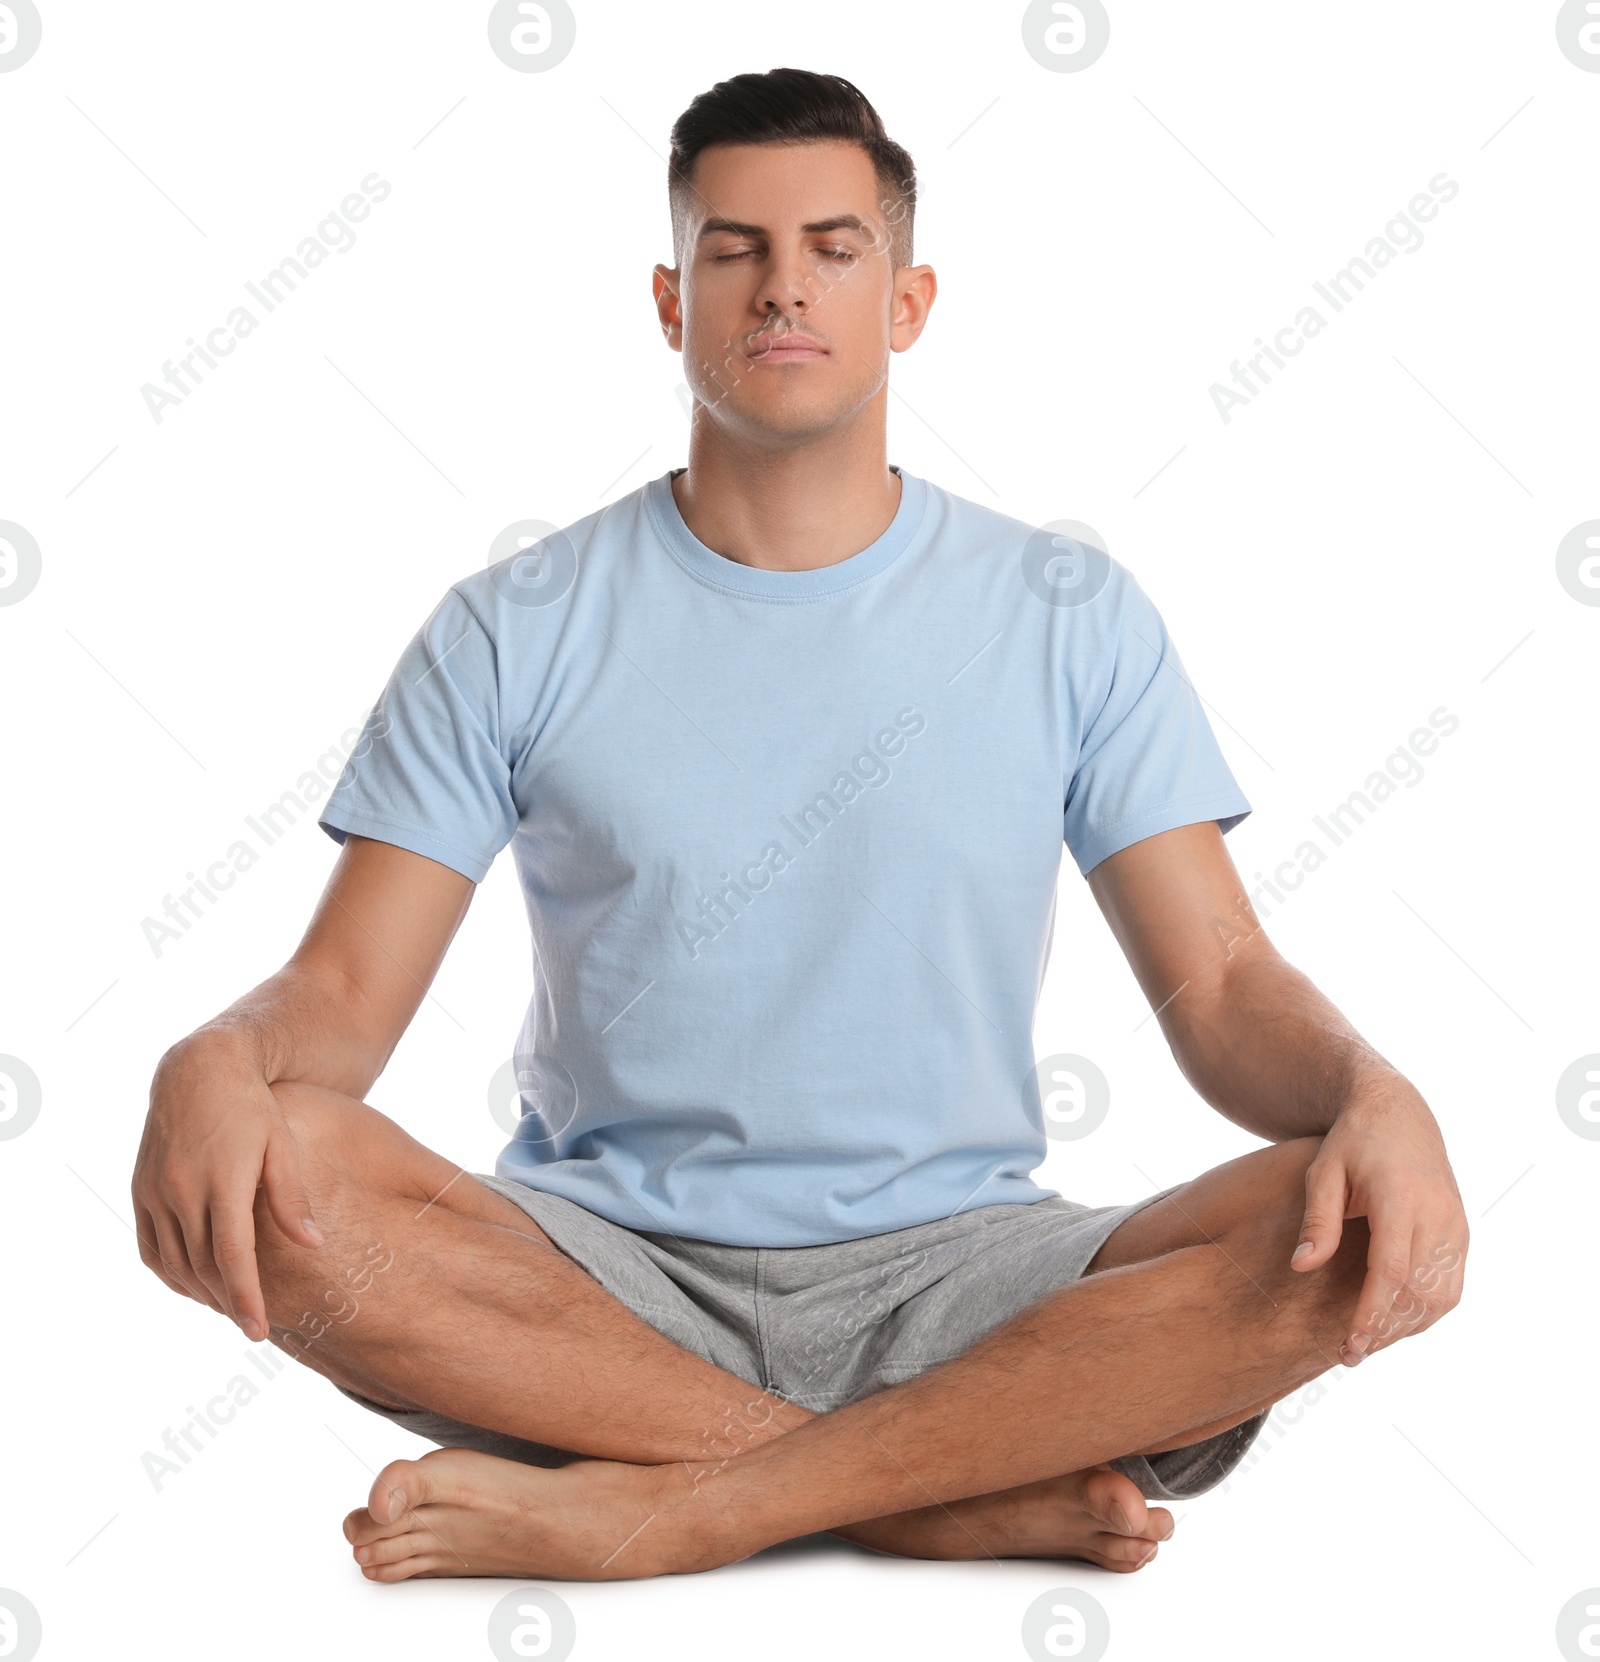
[
  {"x": 457, "y": 1512},
  {"x": 1096, "y": 1514}
]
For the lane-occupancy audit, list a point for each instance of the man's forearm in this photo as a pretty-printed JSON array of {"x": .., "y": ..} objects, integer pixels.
[
  {"x": 300, "y": 1024},
  {"x": 1271, "y": 1053}
]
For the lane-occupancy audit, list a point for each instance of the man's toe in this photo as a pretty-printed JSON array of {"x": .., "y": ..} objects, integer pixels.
[{"x": 1116, "y": 1502}]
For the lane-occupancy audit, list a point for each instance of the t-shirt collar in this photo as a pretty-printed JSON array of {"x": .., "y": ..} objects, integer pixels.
[{"x": 757, "y": 582}]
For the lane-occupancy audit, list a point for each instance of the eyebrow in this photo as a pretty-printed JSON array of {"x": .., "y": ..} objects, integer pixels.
[{"x": 839, "y": 222}]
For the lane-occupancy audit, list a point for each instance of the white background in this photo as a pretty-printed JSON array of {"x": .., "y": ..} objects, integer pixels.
[{"x": 223, "y": 594}]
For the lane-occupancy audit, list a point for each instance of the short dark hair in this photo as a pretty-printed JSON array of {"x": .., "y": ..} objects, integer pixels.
[{"x": 792, "y": 106}]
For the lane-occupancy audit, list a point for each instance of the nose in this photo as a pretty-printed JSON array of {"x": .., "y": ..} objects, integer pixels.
[{"x": 788, "y": 286}]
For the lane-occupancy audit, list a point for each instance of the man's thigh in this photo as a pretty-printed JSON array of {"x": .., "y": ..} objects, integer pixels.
[
  {"x": 1251, "y": 1209},
  {"x": 357, "y": 1163},
  {"x": 388, "y": 1206}
]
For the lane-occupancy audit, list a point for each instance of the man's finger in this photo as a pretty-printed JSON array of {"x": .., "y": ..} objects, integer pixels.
[
  {"x": 233, "y": 1250},
  {"x": 150, "y": 1251},
  {"x": 287, "y": 1199},
  {"x": 1433, "y": 1287},
  {"x": 1323, "y": 1224},
  {"x": 171, "y": 1243},
  {"x": 1388, "y": 1270}
]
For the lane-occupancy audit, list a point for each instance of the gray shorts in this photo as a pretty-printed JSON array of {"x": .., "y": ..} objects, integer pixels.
[{"x": 824, "y": 1325}]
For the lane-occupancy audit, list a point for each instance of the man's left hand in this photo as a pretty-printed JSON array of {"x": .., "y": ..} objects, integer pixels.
[{"x": 1384, "y": 1160}]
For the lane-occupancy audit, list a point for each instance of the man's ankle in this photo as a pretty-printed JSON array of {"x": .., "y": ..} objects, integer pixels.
[{"x": 722, "y": 1519}]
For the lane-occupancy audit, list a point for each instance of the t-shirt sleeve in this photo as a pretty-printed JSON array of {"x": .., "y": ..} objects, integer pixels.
[
  {"x": 427, "y": 773},
  {"x": 1148, "y": 760}
]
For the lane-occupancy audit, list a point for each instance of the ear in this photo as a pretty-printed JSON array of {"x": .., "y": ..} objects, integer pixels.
[
  {"x": 915, "y": 288},
  {"x": 664, "y": 280}
]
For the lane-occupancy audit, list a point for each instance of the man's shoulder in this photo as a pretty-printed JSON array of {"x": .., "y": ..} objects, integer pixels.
[
  {"x": 966, "y": 520},
  {"x": 964, "y": 515},
  {"x": 533, "y": 564},
  {"x": 1057, "y": 558}
]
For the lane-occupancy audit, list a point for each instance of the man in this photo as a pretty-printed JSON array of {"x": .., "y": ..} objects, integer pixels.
[{"x": 785, "y": 745}]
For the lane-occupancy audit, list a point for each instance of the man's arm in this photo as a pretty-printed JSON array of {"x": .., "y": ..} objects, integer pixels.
[
  {"x": 1266, "y": 1049},
  {"x": 331, "y": 1016}
]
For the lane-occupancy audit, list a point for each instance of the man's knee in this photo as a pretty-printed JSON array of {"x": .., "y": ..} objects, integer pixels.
[
  {"x": 1309, "y": 1307},
  {"x": 1258, "y": 1194},
  {"x": 325, "y": 1130},
  {"x": 1263, "y": 1203},
  {"x": 1265, "y": 1237},
  {"x": 319, "y": 1120},
  {"x": 343, "y": 1149}
]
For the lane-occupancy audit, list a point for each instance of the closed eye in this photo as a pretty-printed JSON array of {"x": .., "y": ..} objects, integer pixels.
[{"x": 835, "y": 254}]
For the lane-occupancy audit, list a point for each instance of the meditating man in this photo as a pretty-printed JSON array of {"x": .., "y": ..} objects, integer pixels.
[{"x": 787, "y": 745}]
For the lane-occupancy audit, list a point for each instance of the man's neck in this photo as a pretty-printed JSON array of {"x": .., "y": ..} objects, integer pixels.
[{"x": 794, "y": 510}]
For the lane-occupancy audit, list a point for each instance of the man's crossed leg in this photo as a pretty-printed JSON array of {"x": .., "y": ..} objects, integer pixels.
[{"x": 1189, "y": 1322}]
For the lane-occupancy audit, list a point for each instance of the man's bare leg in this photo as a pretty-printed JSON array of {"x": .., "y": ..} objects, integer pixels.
[
  {"x": 1160, "y": 1352},
  {"x": 475, "y": 1313},
  {"x": 432, "y": 1291}
]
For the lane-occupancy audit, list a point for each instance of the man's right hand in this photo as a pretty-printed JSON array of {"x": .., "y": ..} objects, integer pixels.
[{"x": 214, "y": 1136}]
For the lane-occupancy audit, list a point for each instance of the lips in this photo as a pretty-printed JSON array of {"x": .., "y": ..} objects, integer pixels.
[{"x": 785, "y": 347}]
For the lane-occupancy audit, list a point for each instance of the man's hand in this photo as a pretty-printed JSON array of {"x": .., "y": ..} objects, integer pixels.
[
  {"x": 1265, "y": 1048},
  {"x": 214, "y": 1135},
  {"x": 1384, "y": 1160},
  {"x": 332, "y": 1016}
]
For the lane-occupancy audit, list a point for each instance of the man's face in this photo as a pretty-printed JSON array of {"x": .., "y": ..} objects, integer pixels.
[{"x": 787, "y": 303}]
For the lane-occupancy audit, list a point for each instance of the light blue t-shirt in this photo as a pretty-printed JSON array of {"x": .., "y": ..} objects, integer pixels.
[{"x": 789, "y": 843}]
